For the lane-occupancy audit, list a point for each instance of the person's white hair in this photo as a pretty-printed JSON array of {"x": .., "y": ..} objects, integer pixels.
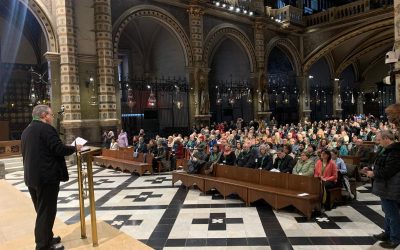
[{"x": 40, "y": 110}]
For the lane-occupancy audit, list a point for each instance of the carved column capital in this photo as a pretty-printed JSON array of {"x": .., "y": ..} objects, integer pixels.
[{"x": 195, "y": 10}]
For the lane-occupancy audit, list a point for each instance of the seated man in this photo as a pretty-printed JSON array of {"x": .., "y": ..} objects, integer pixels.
[
  {"x": 284, "y": 163},
  {"x": 160, "y": 156},
  {"x": 246, "y": 158},
  {"x": 197, "y": 160}
]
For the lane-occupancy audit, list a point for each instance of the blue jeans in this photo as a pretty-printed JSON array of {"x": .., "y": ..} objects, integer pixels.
[{"x": 392, "y": 219}]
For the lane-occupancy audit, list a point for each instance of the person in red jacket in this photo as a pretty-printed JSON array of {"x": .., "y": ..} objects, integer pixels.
[{"x": 326, "y": 170}]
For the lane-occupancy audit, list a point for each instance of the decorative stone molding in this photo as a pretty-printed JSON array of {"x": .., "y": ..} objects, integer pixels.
[
  {"x": 70, "y": 93},
  {"x": 160, "y": 15},
  {"x": 43, "y": 17},
  {"x": 288, "y": 46},
  {"x": 105, "y": 63},
  {"x": 342, "y": 37},
  {"x": 196, "y": 31},
  {"x": 195, "y": 11},
  {"x": 228, "y": 30}
]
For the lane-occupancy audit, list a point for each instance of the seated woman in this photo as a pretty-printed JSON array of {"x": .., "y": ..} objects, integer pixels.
[
  {"x": 177, "y": 152},
  {"x": 304, "y": 166},
  {"x": 213, "y": 158},
  {"x": 264, "y": 161},
  {"x": 326, "y": 170},
  {"x": 342, "y": 168},
  {"x": 114, "y": 144},
  {"x": 228, "y": 157},
  {"x": 238, "y": 148}
]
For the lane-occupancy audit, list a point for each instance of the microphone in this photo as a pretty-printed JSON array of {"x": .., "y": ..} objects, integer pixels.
[{"x": 61, "y": 112}]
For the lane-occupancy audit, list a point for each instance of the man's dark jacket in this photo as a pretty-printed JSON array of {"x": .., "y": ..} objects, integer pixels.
[
  {"x": 284, "y": 165},
  {"x": 387, "y": 173},
  {"x": 43, "y": 155},
  {"x": 246, "y": 159}
]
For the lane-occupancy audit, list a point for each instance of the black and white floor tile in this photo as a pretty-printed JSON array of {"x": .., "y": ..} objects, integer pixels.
[{"x": 150, "y": 209}]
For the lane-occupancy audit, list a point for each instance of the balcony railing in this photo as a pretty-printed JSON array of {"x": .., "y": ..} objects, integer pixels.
[
  {"x": 286, "y": 14},
  {"x": 293, "y": 15}
]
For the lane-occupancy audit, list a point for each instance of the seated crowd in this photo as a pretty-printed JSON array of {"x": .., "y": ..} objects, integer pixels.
[{"x": 310, "y": 149}]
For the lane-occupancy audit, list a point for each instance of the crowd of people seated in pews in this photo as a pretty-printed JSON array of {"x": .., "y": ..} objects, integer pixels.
[{"x": 310, "y": 149}]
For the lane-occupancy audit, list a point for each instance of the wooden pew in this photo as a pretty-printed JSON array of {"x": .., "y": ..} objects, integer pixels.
[
  {"x": 278, "y": 189},
  {"x": 123, "y": 160},
  {"x": 282, "y": 189},
  {"x": 353, "y": 171}
]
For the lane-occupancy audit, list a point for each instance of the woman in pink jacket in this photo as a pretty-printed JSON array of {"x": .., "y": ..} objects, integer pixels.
[
  {"x": 326, "y": 170},
  {"x": 122, "y": 139}
]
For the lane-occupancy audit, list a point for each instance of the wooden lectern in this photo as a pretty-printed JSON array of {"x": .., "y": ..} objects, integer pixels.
[{"x": 81, "y": 157}]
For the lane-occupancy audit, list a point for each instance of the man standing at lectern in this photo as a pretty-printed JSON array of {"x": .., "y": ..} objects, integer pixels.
[{"x": 44, "y": 168}]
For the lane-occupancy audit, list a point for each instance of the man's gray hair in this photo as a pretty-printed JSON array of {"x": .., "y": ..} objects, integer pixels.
[
  {"x": 39, "y": 110},
  {"x": 387, "y": 134}
]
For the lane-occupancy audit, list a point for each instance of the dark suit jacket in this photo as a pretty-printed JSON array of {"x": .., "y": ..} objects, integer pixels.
[
  {"x": 285, "y": 165},
  {"x": 43, "y": 155},
  {"x": 264, "y": 162}
]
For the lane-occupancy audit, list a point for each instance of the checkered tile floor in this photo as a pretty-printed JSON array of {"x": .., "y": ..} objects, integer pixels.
[{"x": 164, "y": 217}]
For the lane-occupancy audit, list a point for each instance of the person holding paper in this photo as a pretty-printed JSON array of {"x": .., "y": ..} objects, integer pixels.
[{"x": 44, "y": 168}]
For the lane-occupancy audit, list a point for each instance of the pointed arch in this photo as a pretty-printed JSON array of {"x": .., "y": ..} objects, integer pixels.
[
  {"x": 160, "y": 15},
  {"x": 288, "y": 48},
  {"x": 218, "y": 34}
]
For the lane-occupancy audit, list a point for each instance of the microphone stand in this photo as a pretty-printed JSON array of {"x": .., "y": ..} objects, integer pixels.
[{"x": 60, "y": 115}]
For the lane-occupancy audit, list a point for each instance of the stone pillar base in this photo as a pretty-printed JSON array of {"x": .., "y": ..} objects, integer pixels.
[
  {"x": 338, "y": 113},
  {"x": 202, "y": 120},
  {"x": 306, "y": 115},
  {"x": 264, "y": 116},
  {"x": 2, "y": 170}
]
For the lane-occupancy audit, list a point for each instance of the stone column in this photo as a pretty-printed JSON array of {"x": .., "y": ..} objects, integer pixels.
[
  {"x": 337, "y": 102},
  {"x": 397, "y": 45},
  {"x": 105, "y": 68},
  {"x": 360, "y": 105},
  {"x": 304, "y": 86},
  {"x": 260, "y": 90},
  {"x": 70, "y": 97},
  {"x": 53, "y": 62},
  {"x": 198, "y": 73}
]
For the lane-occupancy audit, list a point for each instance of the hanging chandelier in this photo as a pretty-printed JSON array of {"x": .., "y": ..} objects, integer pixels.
[
  {"x": 131, "y": 100},
  {"x": 249, "y": 97},
  {"x": 151, "y": 101},
  {"x": 38, "y": 89},
  {"x": 231, "y": 99},
  {"x": 93, "y": 96}
]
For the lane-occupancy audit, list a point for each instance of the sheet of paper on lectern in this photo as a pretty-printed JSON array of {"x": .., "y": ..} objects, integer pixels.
[
  {"x": 303, "y": 194},
  {"x": 78, "y": 141}
]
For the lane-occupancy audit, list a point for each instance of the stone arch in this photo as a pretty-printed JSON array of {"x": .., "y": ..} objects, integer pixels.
[
  {"x": 288, "y": 48},
  {"x": 219, "y": 34},
  {"x": 370, "y": 66},
  {"x": 350, "y": 60},
  {"x": 321, "y": 50},
  {"x": 43, "y": 17},
  {"x": 331, "y": 64},
  {"x": 159, "y": 15}
]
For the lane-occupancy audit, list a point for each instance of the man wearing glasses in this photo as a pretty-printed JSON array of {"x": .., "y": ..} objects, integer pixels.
[{"x": 44, "y": 168}]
